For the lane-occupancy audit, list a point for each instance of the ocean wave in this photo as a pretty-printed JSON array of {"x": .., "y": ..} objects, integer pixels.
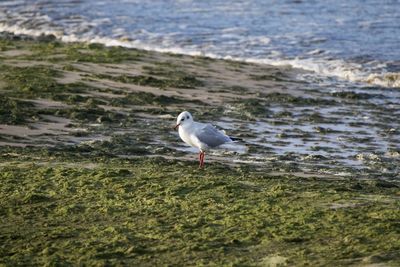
[{"x": 348, "y": 71}]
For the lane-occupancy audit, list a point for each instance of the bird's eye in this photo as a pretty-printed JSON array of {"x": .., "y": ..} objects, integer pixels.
[
  {"x": 187, "y": 117},
  {"x": 182, "y": 119}
]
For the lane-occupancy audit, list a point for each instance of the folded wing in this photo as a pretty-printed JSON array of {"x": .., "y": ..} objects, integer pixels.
[{"x": 211, "y": 136}]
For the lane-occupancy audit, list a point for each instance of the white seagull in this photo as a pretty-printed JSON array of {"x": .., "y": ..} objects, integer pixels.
[{"x": 201, "y": 135}]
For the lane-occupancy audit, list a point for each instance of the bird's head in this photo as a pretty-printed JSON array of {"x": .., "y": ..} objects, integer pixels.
[{"x": 185, "y": 118}]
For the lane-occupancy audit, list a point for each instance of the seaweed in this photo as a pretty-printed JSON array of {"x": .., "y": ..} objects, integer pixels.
[
  {"x": 144, "y": 98},
  {"x": 147, "y": 211},
  {"x": 185, "y": 82},
  {"x": 14, "y": 111}
]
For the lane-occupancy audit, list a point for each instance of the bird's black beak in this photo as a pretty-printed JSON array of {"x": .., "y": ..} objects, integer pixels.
[{"x": 176, "y": 126}]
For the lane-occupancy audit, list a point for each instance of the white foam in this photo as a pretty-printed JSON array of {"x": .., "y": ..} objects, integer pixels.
[{"x": 337, "y": 68}]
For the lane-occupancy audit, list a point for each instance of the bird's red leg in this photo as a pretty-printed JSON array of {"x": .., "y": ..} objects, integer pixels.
[{"x": 202, "y": 159}]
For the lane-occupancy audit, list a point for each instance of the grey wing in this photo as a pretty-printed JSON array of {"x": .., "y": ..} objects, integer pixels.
[{"x": 212, "y": 137}]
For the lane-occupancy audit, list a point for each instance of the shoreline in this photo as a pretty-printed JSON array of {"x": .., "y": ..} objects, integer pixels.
[
  {"x": 93, "y": 174},
  {"x": 342, "y": 71}
]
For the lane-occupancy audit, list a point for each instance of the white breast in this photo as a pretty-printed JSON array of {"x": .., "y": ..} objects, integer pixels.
[{"x": 186, "y": 135}]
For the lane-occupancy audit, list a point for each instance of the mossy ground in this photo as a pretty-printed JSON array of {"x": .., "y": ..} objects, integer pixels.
[
  {"x": 103, "y": 190},
  {"x": 62, "y": 209}
]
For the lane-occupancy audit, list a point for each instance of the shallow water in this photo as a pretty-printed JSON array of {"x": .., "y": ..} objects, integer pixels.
[{"x": 356, "y": 40}]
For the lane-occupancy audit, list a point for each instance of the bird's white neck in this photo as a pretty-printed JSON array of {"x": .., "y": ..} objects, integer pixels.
[{"x": 186, "y": 126}]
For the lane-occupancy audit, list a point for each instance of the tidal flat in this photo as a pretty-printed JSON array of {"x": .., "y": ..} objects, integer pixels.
[{"x": 93, "y": 174}]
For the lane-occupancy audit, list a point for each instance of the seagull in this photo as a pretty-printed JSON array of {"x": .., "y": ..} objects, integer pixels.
[{"x": 200, "y": 135}]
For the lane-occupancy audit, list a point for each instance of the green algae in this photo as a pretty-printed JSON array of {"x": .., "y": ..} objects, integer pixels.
[
  {"x": 5, "y": 45},
  {"x": 249, "y": 109},
  {"x": 101, "y": 54},
  {"x": 179, "y": 81},
  {"x": 14, "y": 111},
  {"x": 144, "y": 98},
  {"x": 150, "y": 212},
  {"x": 172, "y": 71},
  {"x": 89, "y": 114},
  {"x": 39, "y": 82},
  {"x": 284, "y": 98},
  {"x": 54, "y": 51},
  {"x": 252, "y": 108},
  {"x": 70, "y": 67},
  {"x": 27, "y": 81}
]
